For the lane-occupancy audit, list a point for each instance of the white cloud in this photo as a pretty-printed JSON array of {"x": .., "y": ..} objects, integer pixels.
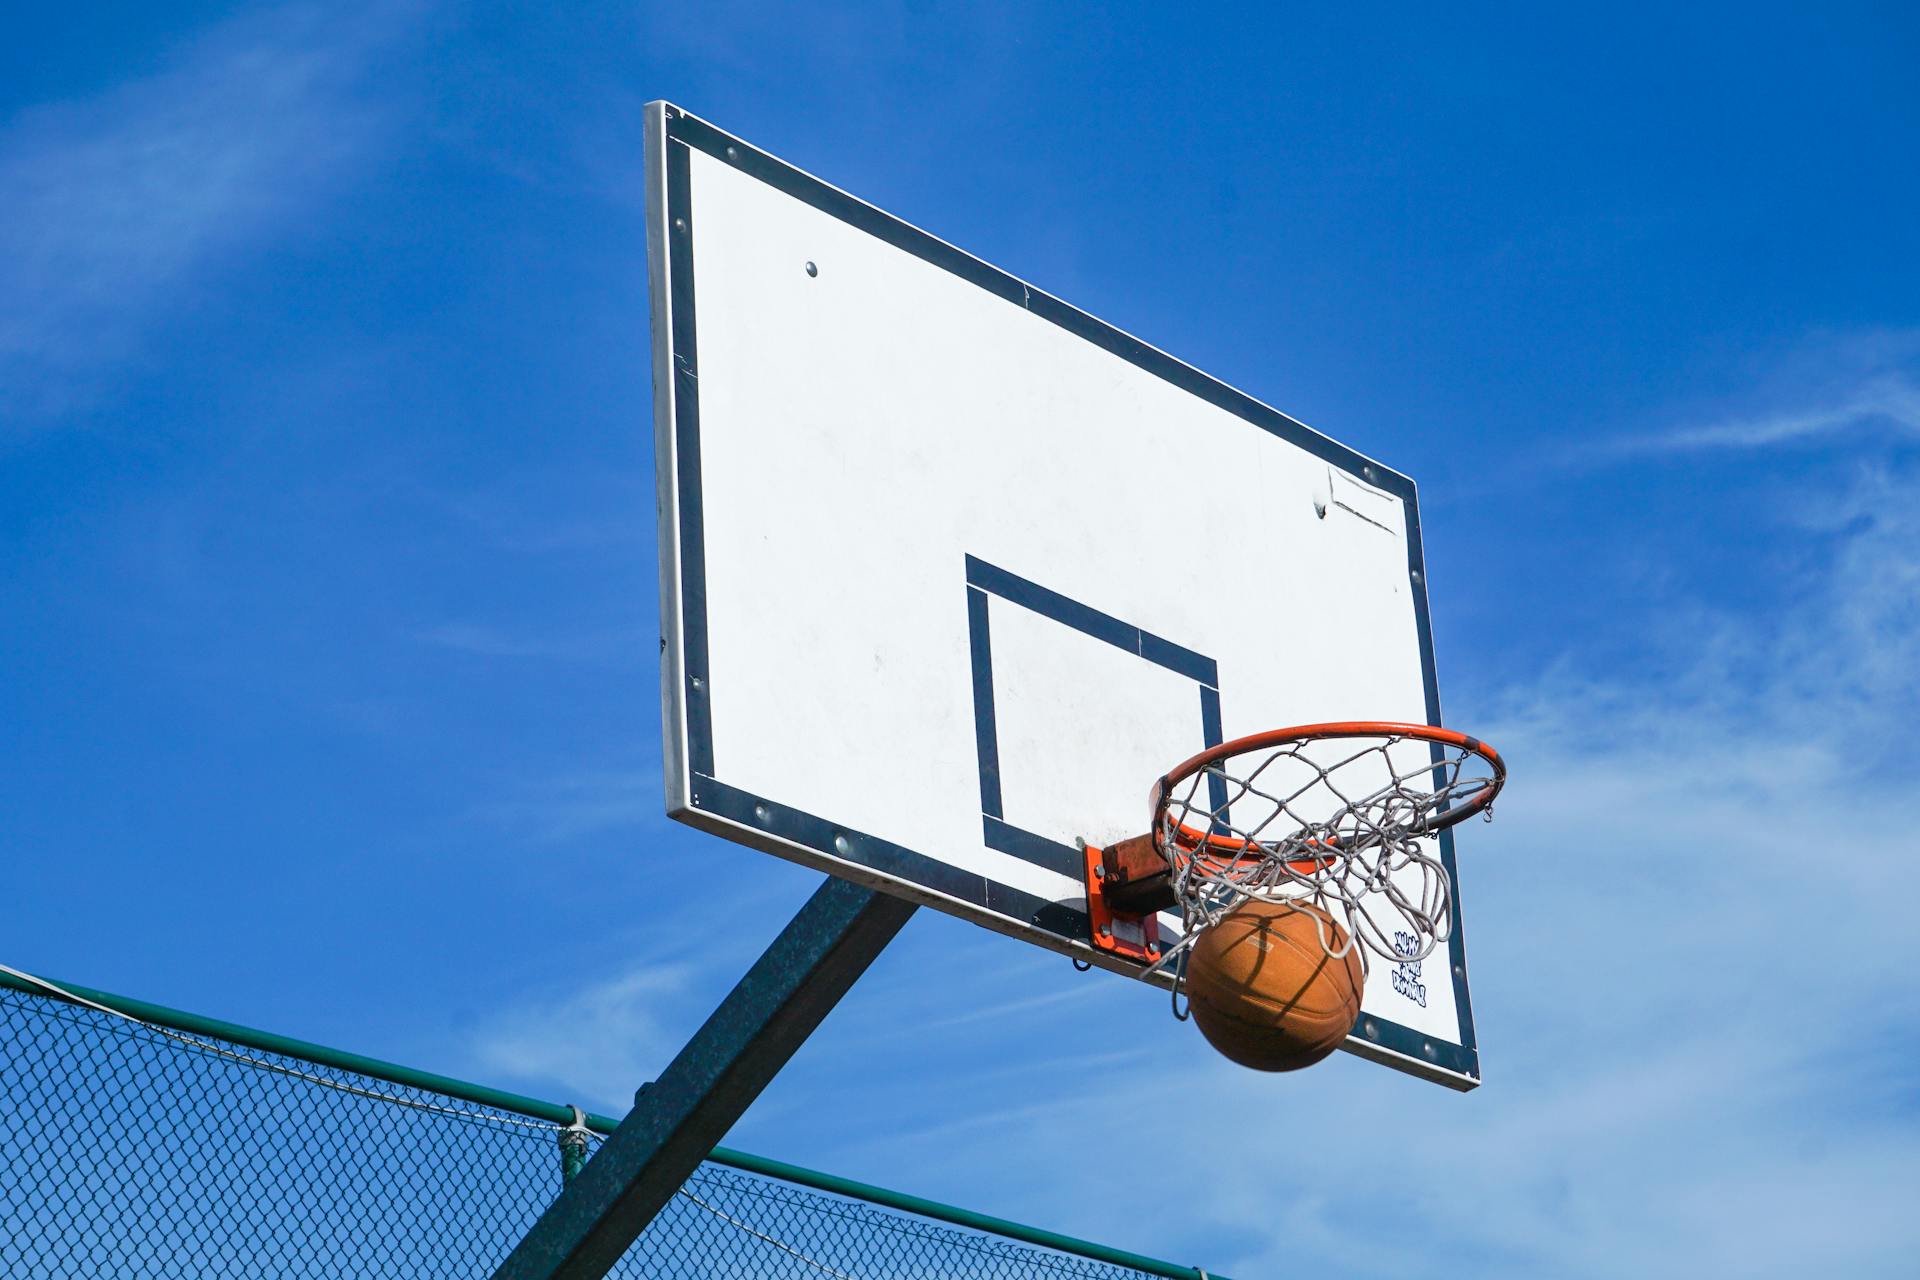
[
  {"x": 1892, "y": 399},
  {"x": 115, "y": 205},
  {"x": 1830, "y": 389},
  {"x": 695, "y": 931},
  {"x": 607, "y": 1038}
]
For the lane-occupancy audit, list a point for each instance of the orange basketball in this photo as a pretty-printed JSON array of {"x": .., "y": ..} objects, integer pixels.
[{"x": 1264, "y": 991}]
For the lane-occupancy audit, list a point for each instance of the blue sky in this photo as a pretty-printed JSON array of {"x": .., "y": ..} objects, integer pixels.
[{"x": 326, "y": 547}]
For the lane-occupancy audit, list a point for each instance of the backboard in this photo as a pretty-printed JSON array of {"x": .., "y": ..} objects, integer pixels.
[{"x": 952, "y": 571}]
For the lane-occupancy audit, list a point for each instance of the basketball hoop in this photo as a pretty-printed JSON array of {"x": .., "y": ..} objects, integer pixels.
[{"x": 1340, "y": 816}]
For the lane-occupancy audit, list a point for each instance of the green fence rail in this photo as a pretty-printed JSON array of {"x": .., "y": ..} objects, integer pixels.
[{"x": 137, "y": 1140}]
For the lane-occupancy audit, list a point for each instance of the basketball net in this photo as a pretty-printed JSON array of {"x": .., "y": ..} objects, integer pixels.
[{"x": 1343, "y": 816}]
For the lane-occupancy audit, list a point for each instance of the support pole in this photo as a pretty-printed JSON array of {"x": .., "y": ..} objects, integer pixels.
[{"x": 715, "y": 1078}]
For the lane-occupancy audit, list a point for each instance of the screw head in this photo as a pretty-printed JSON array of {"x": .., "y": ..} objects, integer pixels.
[
  {"x": 812, "y": 270},
  {"x": 1105, "y": 932},
  {"x": 733, "y": 153}
]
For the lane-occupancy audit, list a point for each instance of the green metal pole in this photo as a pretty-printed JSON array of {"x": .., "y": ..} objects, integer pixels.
[{"x": 712, "y": 1080}]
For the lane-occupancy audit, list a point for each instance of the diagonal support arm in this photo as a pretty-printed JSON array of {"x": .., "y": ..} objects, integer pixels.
[{"x": 715, "y": 1078}]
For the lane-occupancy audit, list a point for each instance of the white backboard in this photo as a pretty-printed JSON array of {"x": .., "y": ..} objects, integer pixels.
[{"x": 952, "y": 571}]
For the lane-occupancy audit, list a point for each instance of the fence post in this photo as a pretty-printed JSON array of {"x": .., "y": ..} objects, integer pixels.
[{"x": 573, "y": 1147}]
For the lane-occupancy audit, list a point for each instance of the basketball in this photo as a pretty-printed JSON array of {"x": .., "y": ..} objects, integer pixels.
[{"x": 1264, "y": 991}]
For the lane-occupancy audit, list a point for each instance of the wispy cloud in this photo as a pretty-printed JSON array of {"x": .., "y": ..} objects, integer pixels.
[
  {"x": 695, "y": 931},
  {"x": 1891, "y": 400},
  {"x": 118, "y": 204},
  {"x": 616, "y": 644},
  {"x": 607, "y": 1038},
  {"x": 1863, "y": 384},
  {"x": 570, "y": 807}
]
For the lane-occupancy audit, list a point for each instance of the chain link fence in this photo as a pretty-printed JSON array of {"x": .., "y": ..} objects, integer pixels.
[{"x": 131, "y": 1148}]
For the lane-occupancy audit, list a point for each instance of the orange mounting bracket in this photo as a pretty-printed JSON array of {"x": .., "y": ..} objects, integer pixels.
[{"x": 1129, "y": 934}]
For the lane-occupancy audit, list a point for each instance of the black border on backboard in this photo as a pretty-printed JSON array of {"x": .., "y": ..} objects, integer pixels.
[{"x": 697, "y": 796}]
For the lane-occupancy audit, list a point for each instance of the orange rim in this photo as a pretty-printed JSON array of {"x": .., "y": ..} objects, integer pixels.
[{"x": 1224, "y": 852}]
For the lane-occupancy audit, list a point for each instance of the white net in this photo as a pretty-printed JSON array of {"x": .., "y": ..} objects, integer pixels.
[{"x": 1344, "y": 817}]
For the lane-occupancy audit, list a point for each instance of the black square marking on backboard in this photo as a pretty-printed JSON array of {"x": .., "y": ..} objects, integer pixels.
[{"x": 984, "y": 580}]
